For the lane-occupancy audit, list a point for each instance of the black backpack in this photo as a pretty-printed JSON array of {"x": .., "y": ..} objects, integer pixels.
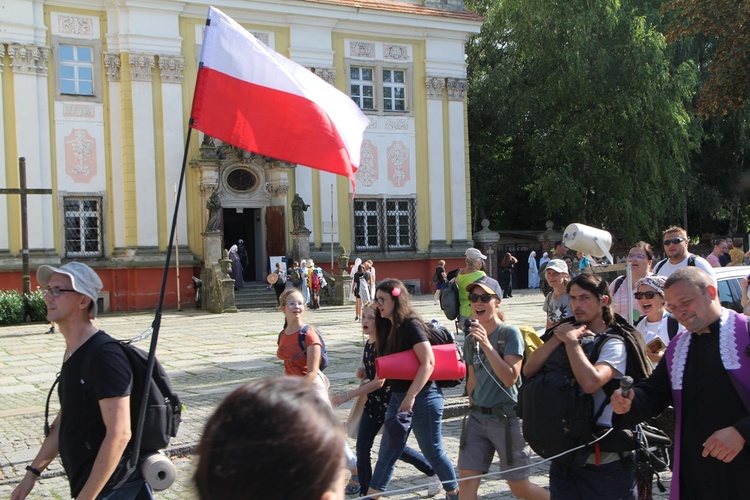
[
  {"x": 301, "y": 339},
  {"x": 449, "y": 302},
  {"x": 558, "y": 416},
  {"x": 673, "y": 326},
  {"x": 438, "y": 335},
  {"x": 660, "y": 264},
  {"x": 163, "y": 408}
]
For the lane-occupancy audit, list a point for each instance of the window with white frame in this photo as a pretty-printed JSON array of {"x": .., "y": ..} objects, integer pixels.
[
  {"x": 76, "y": 67},
  {"x": 384, "y": 224},
  {"x": 362, "y": 86},
  {"x": 394, "y": 90},
  {"x": 379, "y": 88},
  {"x": 83, "y": 226}
]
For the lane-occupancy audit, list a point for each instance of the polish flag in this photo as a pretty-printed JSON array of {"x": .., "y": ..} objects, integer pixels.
[{"x": 254, "y": 98}]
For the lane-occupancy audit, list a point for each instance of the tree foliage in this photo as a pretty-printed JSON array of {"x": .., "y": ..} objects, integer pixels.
[
  {"x": 724, "y": 27},
  {"x": 578, "y": 113}
]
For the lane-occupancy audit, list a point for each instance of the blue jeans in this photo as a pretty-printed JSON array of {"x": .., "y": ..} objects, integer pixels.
[
  {"x": 613, "y": 481},
  {"x": 368, "y": 430},
  {"x": 427, "y": 425}
]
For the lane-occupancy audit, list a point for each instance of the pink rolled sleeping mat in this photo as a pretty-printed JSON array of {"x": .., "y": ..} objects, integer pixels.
[{"x": 404, "y": 365}]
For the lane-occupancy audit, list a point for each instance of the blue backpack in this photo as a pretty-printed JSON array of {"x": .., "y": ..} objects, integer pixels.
[{"x": 301, "y": 339}]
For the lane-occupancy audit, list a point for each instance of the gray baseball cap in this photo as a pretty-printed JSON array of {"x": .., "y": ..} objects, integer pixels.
[{"x": 83, "y": 279}]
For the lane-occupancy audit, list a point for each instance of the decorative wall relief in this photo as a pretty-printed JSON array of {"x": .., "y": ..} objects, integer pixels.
[
  {"x": 80, "y": 156},
  {"x": 367, "y": 174},
  {"x": 398, "y": 164}
]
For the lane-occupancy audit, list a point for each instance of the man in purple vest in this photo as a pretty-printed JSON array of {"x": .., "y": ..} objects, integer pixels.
[{"x": 705, "y": 375}]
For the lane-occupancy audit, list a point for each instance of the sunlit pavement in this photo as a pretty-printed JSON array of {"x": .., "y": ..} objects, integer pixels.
[{"x": 207, "y": 355}]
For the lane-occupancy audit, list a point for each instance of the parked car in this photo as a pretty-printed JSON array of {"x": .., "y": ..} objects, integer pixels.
[{"x": 730, "y": 293}]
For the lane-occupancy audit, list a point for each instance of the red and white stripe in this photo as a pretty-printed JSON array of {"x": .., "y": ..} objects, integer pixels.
[{"x": 250, "y": 96}]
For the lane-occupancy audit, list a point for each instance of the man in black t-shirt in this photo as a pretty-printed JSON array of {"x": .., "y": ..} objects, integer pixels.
[{"x": 92, "y": 429}]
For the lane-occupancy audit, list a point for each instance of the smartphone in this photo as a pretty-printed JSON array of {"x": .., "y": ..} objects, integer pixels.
[{"x": 656, "y": 345}]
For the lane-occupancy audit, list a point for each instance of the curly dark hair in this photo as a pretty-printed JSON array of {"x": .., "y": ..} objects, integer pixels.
[{"x": 598, "y": 286}]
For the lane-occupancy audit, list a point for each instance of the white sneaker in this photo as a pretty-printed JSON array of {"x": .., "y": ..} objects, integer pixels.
[{"x": 435, "y": 486}]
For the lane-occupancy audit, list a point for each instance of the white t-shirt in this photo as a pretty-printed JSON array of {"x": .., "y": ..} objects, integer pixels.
[
  {"x": 656, "y": 329},
  {"x": 668, "y": 268},
  {"x": 614, "y": 354}
]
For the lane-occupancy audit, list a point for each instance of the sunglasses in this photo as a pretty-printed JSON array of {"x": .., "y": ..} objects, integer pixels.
[
  {"x": 648, "y": 295},
  {"x": 673, "y": 241},
  {"x": 485, "y": 297}
]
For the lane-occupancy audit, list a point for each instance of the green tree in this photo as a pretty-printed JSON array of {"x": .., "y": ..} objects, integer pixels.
[
  {"x": 577, "y": 109},
  {"x": 724, "y": 27}
]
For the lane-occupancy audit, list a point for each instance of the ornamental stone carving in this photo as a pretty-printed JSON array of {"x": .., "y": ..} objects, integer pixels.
[
  {"x": 74, "y": 25},
  {"x": 328, "y": 75},
  {"x": 171, "y": 68},
  {"x": 113, "y": 62},
  {"x": 29, "y": 59},
  {"x": 457, "y": 88},
  {"x": 141, "y": 67},
  {"x": 395, "y": 52},
  {"x": 364, "y": 50},
  {"x": 262, "y": 37},
  {"x": 435, "y": 86}
]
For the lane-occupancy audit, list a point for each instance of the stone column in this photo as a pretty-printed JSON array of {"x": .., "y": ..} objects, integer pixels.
[{"x": 486, "y": 241}]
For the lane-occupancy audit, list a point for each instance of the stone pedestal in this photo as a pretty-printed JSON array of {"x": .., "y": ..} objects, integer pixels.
[
  {"x": 342, "y": 289},
  {"x": 301, "y": 244},
  {"x": 218, "y": 286},
  {"x": 212, "y": 251},
  {"x": 227, "y": 295}
]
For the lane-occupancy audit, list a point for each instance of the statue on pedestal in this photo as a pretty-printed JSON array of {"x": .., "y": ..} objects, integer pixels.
[
  {"x": 298, "y": 216},
  {"x": 214, "y": 212}
]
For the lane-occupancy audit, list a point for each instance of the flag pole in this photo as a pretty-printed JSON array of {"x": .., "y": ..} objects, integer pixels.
[{"x": 157, "y": 316}]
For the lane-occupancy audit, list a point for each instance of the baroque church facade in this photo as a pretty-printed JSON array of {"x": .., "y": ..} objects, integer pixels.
[{"x": 96, "y": 99}]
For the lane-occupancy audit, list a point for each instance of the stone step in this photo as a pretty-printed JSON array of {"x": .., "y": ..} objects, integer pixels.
[{"x": 254, "y": 295}]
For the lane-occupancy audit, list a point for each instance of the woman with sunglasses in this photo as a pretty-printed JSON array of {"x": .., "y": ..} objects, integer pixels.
[
  {"x": 494, "y": 352},
  {"x": 654, "y": 324},
  {"x": 415, "y": 404},
  {"x": 641, "y": 258}
]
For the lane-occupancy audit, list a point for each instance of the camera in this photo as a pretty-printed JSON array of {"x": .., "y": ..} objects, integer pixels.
[{"x": 467, "y": 326}]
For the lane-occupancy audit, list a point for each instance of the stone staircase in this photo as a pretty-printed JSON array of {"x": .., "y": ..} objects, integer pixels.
[{"x": 255, "y": 296}]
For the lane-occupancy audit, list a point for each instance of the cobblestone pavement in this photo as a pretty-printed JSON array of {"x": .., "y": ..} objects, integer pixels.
[{"x": 208, "y": 355}]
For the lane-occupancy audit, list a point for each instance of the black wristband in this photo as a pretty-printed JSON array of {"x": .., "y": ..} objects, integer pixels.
[{"x": 33, "y": 470}]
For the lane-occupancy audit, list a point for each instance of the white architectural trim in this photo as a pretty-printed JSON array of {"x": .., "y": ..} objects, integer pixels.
[
  {"x": 145, "y": 166},
  {"x": 459, "y": 191}
]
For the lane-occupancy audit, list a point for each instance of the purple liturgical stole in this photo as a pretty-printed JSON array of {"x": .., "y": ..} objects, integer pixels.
[{"x": 734, "y": 344}]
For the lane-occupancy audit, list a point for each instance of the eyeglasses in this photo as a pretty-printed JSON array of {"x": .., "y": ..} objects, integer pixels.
[
  {"x": 640, "y": 295},
  {"x": 380, "y": 300},
  {"x": 485, "y": 297},
  {"x": 637, "y": 256},
  {"x": 56, "y": 291},
  {"x": 295, "y": 304},
  {"x": 673, "y": 241}
]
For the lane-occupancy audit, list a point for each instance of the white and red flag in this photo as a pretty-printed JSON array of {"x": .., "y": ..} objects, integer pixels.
[{"x": 254, "y": 98}]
